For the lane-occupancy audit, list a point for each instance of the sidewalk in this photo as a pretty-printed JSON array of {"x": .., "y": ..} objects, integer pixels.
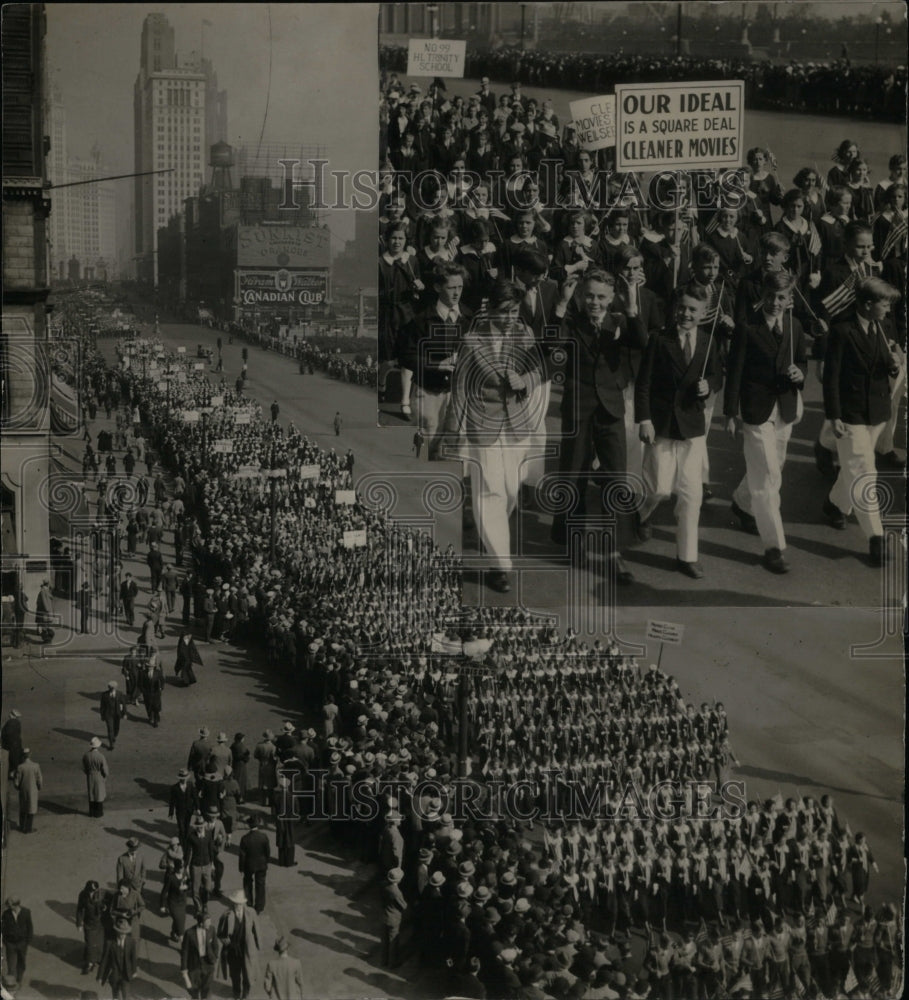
[{"x": 57, "y": 688}]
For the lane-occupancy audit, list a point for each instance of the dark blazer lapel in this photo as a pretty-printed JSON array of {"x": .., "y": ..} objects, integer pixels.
[
  {"x": 865, "y": 344},
  {"x": 674, "y": 350}
]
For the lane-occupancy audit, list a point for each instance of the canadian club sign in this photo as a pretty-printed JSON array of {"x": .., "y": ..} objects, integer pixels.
[{"x": 282, "y": 287}]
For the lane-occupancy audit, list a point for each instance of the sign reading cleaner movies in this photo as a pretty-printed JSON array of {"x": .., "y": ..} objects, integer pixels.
[
  {"x": 669, "y": 126},
  {"x": 435, "y": 57}
]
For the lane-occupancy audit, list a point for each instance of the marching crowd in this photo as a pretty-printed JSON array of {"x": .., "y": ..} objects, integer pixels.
[
  {"x": 835, "y": 87},
  {"x": 512, "y": 260},
  {"x": 594, "y": 843}
]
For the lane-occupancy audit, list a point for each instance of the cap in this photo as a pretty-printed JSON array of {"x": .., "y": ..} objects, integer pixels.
[
  {"x": 288, "y": 727},
  {"x": 464, "y": 889},
  {"x": 212, "y": 811}
]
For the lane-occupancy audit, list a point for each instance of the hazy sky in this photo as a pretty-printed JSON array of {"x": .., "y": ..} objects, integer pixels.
[{"x": 324, "y": 74}]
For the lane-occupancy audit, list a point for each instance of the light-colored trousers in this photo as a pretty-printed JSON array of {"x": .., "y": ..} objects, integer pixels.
[
  {"x": 856, "y": 454},
  {"x": 675, "y": 467},
  {"x": 758, "y": 493},
  {"x": 495, "y": 479}
]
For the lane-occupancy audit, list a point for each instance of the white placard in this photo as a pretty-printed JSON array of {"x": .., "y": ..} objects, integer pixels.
[
  {"x": 191, "y": 416},
  {"x": 345, "y": 497},
  {"x": 594, "y": 121},
  {"x": 310, "y": 472},
  {"x": 665, "y": 632},
  {"x": 242, "y": 417},
  {"x": 436, "y": 57},
  {"x": 355, "y": 539},
  {"x": 217, "y": 401},
  {"x": 181, "y": 350},
  {"x": 668, "y": 126},
  {"x": 224, "y": 446}
]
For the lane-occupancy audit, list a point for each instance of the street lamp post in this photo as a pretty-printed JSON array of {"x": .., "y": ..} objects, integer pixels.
[
  {"x": 523, "y": 21},
  {"x": 877, "y": 38}
]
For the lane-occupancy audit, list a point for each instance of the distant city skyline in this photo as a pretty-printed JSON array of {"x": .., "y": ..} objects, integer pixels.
[{"x": 93, "y": 57}]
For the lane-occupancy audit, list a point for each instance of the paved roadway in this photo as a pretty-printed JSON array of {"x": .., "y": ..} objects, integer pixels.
[
  {"x": 804, "y": 715},
  {"x": 829, "y": 568}
]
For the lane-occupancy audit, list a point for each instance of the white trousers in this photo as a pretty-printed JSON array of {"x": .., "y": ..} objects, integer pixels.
[
  {"x": 495, "y": 483},
  {"x": 758, "y": 493},
  {"x": 535, "y": 466},
  {"x": 856, "y": 454},
  {"x": 634, "y": 446},
  {"x": 430, "y": 409},
  {"x": 897, "y": 387},
  {"x": 675, "y": 467}
]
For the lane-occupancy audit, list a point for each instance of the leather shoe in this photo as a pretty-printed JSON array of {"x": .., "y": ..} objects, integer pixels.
[
  {"x": 623, "y": 574},
  {"x": 693, "y": 569},
  {"x": 877, "y": 549},
  {"x": 834, "y": 515},
  {"x": 824, "y": 460},
  {"x": 746, "y": 520},
  {"x": 889, "y": 460},
  {"x": 774, "y": 561},
  {"x": 643, "y": 529},
  {"x": 497, "y": 580}
]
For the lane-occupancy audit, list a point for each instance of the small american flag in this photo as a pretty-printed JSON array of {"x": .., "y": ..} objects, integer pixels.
[
  {"x": 841, "y": 298},
  {"x": 851, "y": 981},
  {"x": 814, "y": 240},
  {"x": 895, "y": 237}
]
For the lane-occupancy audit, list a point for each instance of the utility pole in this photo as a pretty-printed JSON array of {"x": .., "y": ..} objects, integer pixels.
[{"x": 523, "y": 19}]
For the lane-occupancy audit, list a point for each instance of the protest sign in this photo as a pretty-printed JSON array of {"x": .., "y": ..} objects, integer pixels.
[
  {"x": 345, "y": 497},
  {"x": 594, "y": 121},
  {"x": 191, "y": 416},
  {"x": 669, "y": 126},
  {"x": 435, "y": 57},
  {"x": 354, "y": 539},
  {"x": 224, "y": 447},
  {"x": 241, "y": 416},
  {"x": 310, "y": 472}
]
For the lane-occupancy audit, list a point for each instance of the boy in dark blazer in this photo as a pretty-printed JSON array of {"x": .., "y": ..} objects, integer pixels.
[
  {"x": 672, "y": 386},
  {"x": 860, "y": 360},
  {"x": 593, "y": 402},
  {"x": 766, "y": 372}
]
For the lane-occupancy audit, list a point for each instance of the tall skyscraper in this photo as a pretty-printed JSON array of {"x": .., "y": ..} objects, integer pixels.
[
  {"x": 83, "y": 222},
  {"x": 177, "y": 108}
]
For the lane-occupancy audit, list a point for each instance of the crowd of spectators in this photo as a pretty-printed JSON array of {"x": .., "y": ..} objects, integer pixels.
[
  {"x": 594, "y": 842},
  {"x": 837, "y": 87}
]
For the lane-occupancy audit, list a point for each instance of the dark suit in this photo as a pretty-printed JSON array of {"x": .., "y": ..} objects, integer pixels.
[
  {"x": 199, "y": 965},
  {"x": 756, "y": 377},
  {"x": 426, "y": 341},
  {"x": 183, "y": 804},
  {"x": 666, "y": 393},
  {"x": 17, "y": 935},
  {"x": 113, "y": 708},
  {"x": 593, "y": 402},
  {"x": 255, "y": 853},
  {"x": 770, "y": 404},
  {"x": 118, "y": 965},
  {"x": 129, "y": 591},
  {"x": 857, "y": 391},
  {"x": 662, "y": 275},
  {"x": 666, "y": 389}
]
